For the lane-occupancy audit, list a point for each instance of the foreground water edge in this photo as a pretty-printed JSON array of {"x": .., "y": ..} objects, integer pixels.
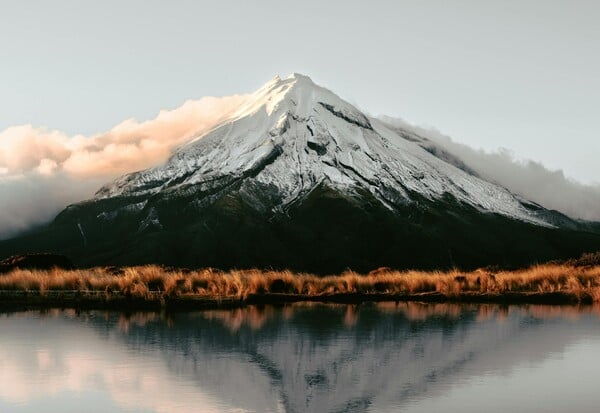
[{"x": 303, "y": 357}]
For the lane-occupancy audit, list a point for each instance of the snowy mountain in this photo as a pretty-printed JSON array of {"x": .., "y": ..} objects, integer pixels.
[
  {"x": 297, "y": 177},
  {"x": 292, "y": 135}
]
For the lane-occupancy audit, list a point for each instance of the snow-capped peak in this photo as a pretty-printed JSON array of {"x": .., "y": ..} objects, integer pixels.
[
  {"x": 292, "y": 135},
  {"x": 296, "y": 93}
]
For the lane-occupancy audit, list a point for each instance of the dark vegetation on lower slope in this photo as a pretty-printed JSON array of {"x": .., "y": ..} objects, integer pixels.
[
  {"x": 35, "y": 262},
  {"x": 326, "y": 233},
  {"x": 589, "y": 259}
]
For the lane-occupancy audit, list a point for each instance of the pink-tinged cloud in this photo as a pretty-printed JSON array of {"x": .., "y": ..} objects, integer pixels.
[
  {"x": 41, "y": 171},
  {"x": 128, "y": 146}
]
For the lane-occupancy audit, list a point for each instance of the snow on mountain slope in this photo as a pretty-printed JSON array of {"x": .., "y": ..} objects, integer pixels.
[{"x": 292, "y": 135}]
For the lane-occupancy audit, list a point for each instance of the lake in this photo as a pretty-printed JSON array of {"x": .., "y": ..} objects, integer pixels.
[{"x": 384, "y": 357}]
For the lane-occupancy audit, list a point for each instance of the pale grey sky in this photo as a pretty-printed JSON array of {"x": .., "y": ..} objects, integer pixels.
[{"x": 523, "y": 75}]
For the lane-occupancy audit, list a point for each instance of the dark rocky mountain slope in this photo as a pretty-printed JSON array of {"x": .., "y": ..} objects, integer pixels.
[{"x": 298, "y": 178}]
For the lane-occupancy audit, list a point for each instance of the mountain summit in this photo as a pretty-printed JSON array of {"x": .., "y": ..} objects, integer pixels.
[{"x": 297, "y": 177}]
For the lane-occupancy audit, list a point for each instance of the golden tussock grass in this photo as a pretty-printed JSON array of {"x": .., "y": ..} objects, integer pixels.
[{"x": 144, "y": 281}]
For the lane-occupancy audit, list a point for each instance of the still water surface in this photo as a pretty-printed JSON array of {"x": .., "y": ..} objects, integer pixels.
[{"x": 304, "y": 358}]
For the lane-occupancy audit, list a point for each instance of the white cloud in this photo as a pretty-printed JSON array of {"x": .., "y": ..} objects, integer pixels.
[{"x": 530, "y": 179}]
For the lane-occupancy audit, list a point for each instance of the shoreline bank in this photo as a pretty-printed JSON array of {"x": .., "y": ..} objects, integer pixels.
[
  {"x": 22, "y": 301},
  {"x": 157, "y": 288}
]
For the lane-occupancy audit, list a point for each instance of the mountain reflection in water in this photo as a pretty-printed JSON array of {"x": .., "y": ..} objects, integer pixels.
[{"x": 299, "y": 358}]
